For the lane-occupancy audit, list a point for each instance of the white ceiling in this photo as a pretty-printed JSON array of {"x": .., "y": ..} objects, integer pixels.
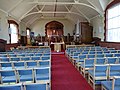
[{"x": 29, "y": 11}]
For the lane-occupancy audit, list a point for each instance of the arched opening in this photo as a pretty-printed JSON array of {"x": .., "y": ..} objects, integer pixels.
[
  {"x": 54, "y": 32},
  {"x": 54, "y": 28},
  {"x": 112, "y": 25},
  {"x": 13, "y": 31}
]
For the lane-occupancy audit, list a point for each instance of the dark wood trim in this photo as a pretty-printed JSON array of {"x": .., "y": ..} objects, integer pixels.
[
  {"x": 23, "y": 40},
  {"x": 54, "y": 25},
  {"x": 110, "y": 44},
  {"x": 112, "y": 4},
  {"x": 105, "y": 21},
  {"x": 105, "y": 26},
  {"x": 2, "y": 45},
  {"x": 12, "y": 21},
  {"x": 28, "y": 28},
  {"x": 8, "y": 46}
]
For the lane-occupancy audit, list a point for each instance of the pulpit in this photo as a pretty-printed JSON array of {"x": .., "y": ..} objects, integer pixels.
[{"x": 56, "y": 42}]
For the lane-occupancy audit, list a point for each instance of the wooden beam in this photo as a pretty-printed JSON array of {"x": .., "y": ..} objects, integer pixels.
[
  {"x": 52, "y": 12},
  {"x": 27, "y": 12},
  {"x": 67, "y": 3}
]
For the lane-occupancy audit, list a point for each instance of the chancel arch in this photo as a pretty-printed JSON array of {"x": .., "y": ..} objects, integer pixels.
[
  {"x": 54, "y": 31},
  {"x": 54, "y": 28}
]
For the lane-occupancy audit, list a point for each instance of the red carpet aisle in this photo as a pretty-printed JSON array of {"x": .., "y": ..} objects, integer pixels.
[{"x": 65, "y": 76}]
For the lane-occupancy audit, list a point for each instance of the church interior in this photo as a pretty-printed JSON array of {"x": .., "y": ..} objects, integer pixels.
[{"x": 60, "y": 44}]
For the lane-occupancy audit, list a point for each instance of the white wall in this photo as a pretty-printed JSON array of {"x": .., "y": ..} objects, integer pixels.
[
  {"x": 4, "y": 26},
  {"x": 98, "y": 27},
  {"x": 22, "y": 26},
  {"x": 39, "y": 26},
  {"x": 22, "y": 29}
]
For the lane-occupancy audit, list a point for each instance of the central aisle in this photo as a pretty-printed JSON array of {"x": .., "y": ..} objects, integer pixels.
[{"x": 65, "y": 76}]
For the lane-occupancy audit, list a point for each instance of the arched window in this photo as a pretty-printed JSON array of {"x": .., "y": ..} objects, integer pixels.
[
  {"x": 28, "y": 33},
  {"x": 113, "y": 22},
  {"x": 28, "y": 36},
  {"x": 13, "y": 31}
]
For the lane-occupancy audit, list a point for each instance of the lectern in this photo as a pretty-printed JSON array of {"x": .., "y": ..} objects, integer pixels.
[{"x": 57, "y": 46}]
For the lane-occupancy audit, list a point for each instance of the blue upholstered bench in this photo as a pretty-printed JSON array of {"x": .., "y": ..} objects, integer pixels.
[{"x": 114, "y": 84}]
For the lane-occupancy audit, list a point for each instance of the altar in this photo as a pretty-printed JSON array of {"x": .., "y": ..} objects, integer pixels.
[{"x": 58, "y": 46}]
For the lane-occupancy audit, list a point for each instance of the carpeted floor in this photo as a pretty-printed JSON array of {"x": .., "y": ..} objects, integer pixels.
[{"x": 65, "y": 76}]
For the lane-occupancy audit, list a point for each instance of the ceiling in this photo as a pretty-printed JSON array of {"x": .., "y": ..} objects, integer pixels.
[{"x": 29, "y": 11}]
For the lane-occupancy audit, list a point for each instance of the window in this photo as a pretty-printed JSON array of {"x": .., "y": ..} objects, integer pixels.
[
  {"x": 28, "y": 33},
  {"x": 113, "y": 24},
  {"x": 28, "y": 36},
  {"x": 14, "y": 33},
  {"x": 13, "y": 27}
]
